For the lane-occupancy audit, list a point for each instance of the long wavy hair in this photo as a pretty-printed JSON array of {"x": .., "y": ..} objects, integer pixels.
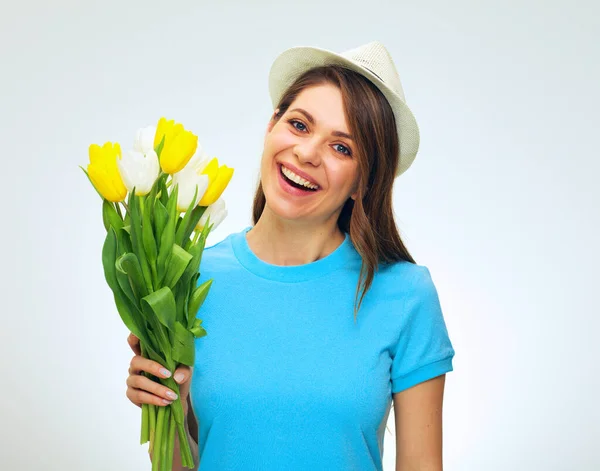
[{"x": 370, "y": 219}]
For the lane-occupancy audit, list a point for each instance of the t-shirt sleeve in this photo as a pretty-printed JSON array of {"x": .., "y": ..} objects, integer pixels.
[{"x": 424, "y": 349}]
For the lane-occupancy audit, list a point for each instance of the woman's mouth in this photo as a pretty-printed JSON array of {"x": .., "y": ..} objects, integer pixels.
[{"x": 292, "y": 187}]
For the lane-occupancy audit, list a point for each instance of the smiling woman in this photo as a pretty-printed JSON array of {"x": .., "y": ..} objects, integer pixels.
[
  {"x": 292, "y": 376},
  {"x": 342, "y": 130}
]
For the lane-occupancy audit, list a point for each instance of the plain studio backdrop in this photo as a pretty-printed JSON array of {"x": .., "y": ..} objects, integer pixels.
[{"x": 502, "y": 203}]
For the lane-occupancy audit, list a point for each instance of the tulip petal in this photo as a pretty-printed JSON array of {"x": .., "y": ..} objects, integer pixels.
[
  {"x": 211, "y": 169},
  {"x": 177, "y": 151},
  {"x": 216, "y": 212},
  {"x": 144, "y": 139},
  {"x": 126, "y": 169},
  {"x": 103, "y": 182},
  {"x": 217, "y": 187},
  {"x": 187, "y": 186}
]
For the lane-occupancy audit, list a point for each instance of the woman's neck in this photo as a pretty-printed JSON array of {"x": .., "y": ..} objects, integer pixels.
[{"x": 281, "y": 243}]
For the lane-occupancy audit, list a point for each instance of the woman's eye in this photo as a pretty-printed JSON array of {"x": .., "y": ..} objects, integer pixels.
[
  {"x": 347, "y": 150},
  {"x": 293, "y": 122}
]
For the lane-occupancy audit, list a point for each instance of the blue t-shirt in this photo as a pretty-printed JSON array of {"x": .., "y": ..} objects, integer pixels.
[{"x": 285, "y": 379}]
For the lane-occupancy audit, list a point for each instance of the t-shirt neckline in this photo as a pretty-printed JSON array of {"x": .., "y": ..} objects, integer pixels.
[{"x": 290, "y": 273}]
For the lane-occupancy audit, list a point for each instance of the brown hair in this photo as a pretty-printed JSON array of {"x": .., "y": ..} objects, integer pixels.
[{"x": 370, "y": 219}]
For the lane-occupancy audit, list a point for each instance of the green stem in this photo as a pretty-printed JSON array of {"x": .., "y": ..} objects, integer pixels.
[
  {"x": 156, "y": 455},
  {"x": 145, "y": 433},
  {"x": 152, "y": 413},
  {"x": 125, "y": 206},
  {"x": 119, "y": 210},
  {"x": 196, "y": 237},
  {"x": 164, "y": 465},
  {"x": 171, "y": 442},
  {"x": 141, "y": 200},
  {"x": 184, "y": 447}
]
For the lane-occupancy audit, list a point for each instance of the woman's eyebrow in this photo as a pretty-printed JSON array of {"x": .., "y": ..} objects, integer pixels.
[{"x": 312, "y": 121}]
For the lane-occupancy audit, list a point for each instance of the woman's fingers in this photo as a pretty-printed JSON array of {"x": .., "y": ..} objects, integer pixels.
[
  {"x": 134, "y": 343},
  {"x": 182, "y": 374},
  {"x": 139, "y": 363},
  {"x": 144, "y": 390},
  {"x": 139, "y": 397},
  {"x": 147, "y": 385}
]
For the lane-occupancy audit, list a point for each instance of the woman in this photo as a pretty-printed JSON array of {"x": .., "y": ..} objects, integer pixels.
[{"x": 318, "y": 317}]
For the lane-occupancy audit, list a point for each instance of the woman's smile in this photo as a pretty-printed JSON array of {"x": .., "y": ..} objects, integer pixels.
[{"x": 293, "y": 187}]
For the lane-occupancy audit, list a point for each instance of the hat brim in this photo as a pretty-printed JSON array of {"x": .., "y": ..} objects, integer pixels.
[{"x": 293, "y": 62}]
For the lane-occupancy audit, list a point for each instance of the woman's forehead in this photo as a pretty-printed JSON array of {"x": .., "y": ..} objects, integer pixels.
[{"x": 322, "y": 106}]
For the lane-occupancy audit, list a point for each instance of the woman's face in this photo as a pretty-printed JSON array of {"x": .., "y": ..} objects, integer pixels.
[{"x": 316, "y": 152}]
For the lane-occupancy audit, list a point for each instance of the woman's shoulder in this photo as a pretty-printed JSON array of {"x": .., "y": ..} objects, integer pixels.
[
  {"x": 404, "y": 270},
  {"x": 405, "y": 277},
  {"x": 222, "y": 243}
]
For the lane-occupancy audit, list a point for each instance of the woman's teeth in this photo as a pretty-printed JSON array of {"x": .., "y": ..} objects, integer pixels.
[{"x": 298, "y": 179}]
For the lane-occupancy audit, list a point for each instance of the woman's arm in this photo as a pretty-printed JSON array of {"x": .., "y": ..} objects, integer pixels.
[{"x": 418, "y": 418}]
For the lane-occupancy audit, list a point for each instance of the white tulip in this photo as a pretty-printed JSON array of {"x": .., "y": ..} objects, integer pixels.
[
  {"x": 189, "y": 177},
  {"x": 217, "y": 212},
  {"x": 198, "y": 162},
  {"x": 188, "y": 181},
  {"x": 139, "y": 170},
  {"x": 144, "y": 139}
]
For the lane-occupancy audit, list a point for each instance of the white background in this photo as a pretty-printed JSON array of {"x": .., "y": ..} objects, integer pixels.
[{"x": 501, "y": 203}]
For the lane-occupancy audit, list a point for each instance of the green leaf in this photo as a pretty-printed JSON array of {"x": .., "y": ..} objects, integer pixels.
[
  {"x": 161, "y": 217},
  {"x": 125, "y": 284},
  {"x": 193, "y": 267},
  {"x": 164, "y": 192},
  {"x": 148, "y": 240},
  {"x": 127, "y": 311},
  {"x": 151, "y": 316},
  {"x": 162, "y": 303},
  {"x": 154, "y": 190},
  {"x": 177, "y": 265},
  {"x": 197, "y": 298},
  {"x": 158, "y": 355},
  {"x": 197, "y": 330},
  {"x": 129, "y": 264},
  {"x": 167, "y": 237},
  {"x": 186, "y": 230},
  {"x": 136, "y": 239},
  {"x": 183, "y": 225},
  {"x": 181, "y": 300},
  {"x": 87, "y": 175},
  {"x": 124, "y": 241},
  {"x": 109, "y": 255},
  {"x": 160, "y": 146},
  {"x": 186, "y": 301},
  {"x": 110, "y": 215},
  {"x": 184, "y": 348}
]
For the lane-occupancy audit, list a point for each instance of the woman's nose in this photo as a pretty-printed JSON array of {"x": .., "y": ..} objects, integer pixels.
[{"x": 309, "y": 152}]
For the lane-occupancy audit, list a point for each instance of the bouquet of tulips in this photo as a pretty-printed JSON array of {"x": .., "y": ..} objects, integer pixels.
[{"x": 151, "y": 255}]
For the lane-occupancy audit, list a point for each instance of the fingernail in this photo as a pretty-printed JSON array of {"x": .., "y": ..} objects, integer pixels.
[
  {"x": 178, "y": 377},
  {"x": 172, "y": 395},
  {"x": 166, "y": 402},
  {"x": 165, "y": 372}
]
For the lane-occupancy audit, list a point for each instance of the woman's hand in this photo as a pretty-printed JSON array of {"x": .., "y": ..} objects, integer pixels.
[{"x": 143, "y": 390}]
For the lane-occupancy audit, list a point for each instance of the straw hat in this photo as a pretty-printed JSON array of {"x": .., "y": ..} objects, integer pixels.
[{"x": 371, "y": 60}]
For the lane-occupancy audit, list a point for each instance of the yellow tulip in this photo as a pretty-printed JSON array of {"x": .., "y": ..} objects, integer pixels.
[
  {"x": 104, "y": 172},
  {"x": 179, "y": 145},
  {"x": 219, "y": 178}
]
